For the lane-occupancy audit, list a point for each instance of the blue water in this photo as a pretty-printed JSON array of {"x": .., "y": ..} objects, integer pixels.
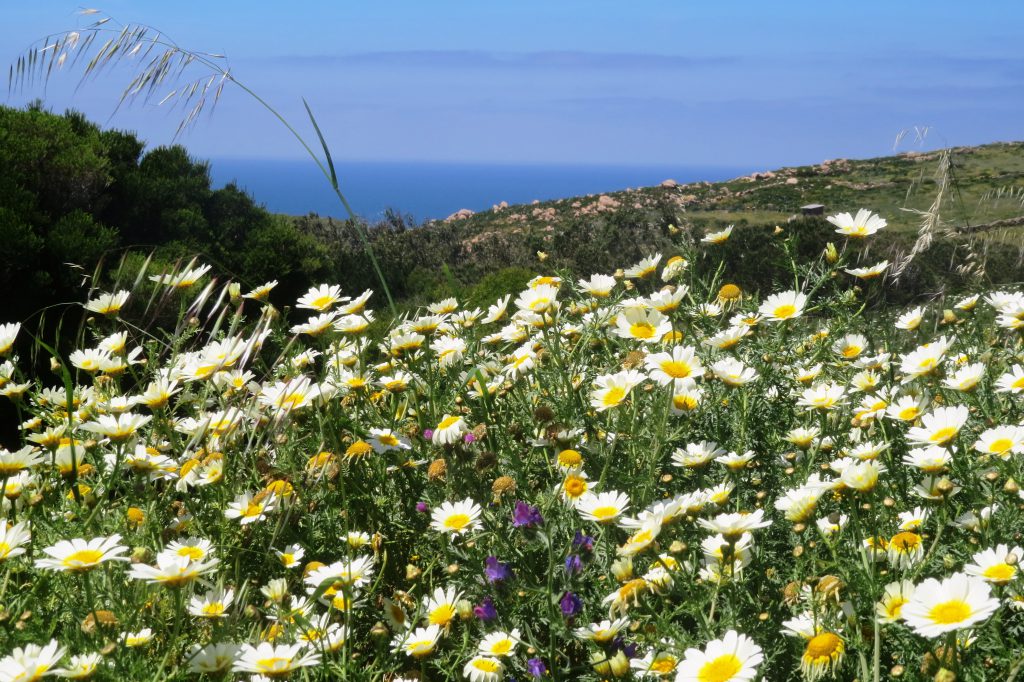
[{"x": 436, "y": 190}]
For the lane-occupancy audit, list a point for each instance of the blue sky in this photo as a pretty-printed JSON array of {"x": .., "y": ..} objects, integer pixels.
[{"x": 632, "y": 83}]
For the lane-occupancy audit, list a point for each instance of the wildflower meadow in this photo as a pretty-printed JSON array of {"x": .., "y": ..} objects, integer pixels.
[{"x": 646, "y": 474}]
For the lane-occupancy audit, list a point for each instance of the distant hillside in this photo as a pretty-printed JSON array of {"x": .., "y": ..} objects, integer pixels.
[
  {"x": 981, "y": 207},
  {"x": 986, "y": 177}
]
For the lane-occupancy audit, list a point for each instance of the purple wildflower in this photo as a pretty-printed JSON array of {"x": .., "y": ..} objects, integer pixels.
[
  {"x": 526, "y": 516},
  {"x": 536, "y": 667},
  {"x": 583, "y": 542},
  {"x": 496, "y": 571},
  {"x": 570, "y": 604},
  {"x": 628, "y": 648},
  {"x": 573, "y": 564},
  {"x": 428, "y": 434},
  {"x": 485, "y": 610},
  {"x": 422, "y": 507}
]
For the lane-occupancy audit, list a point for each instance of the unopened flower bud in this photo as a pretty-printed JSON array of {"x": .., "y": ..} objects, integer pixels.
[{"x": 622, "y": 569}]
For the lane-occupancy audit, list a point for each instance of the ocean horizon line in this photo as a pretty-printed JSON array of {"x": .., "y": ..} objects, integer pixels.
[{"x": 435, "y": 190}]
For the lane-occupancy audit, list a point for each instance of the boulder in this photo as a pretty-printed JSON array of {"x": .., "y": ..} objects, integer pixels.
[{"x": 461, "y": 214}]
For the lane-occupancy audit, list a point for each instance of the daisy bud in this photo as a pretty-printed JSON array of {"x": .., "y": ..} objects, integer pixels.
[
  {"x": 1011, "y": 486},
  {"x": 599, "y": 660},
  {"x": 619, "y": 664},
  {"x": 464, "y": 607},
  {"x": 235, "y": 291},
  {"x": 622, "y": 569},
  {"x": 831, "y": 254},
  {"x": 54, "y": 364},
  {"x": 1011, "y": 559},
  {"x": 412, "y": 572}
]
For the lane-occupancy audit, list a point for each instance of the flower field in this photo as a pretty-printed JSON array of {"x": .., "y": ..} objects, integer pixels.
[{"x": 648, "y": 474}]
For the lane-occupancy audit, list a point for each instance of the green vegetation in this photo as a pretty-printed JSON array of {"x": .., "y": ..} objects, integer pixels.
[
  {"x": 652, "y": 477},
  {"x": 73, "y": 195}
]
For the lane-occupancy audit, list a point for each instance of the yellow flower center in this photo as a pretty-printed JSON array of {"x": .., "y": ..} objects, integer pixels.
[
  {"x": 949, "y": 612},
  {"x": 823, "y": 648},
  {"x": 614, "y": 396},
  {"x": 908, "y": 413},
  {"x": 851, "y": 351},
  {"x": 944, "y": 434},
  {"x": 664, "y": 664},
  {"x": 321, "y": 302},
  {"x": 1001, "y": 446},
  {"x": 359, "y": 449},
  {"x": 291, "y": 400},
  {"x": 642, "y": 330},
  {"x": 640, "y": 538},
  {"x": 486, "y": 665},
  {"x": 905, "y": 542},
  {"x": 784, "y": 312},
  {"x": 605, "y": 513},
  {"x": 502, "y": 647},
  {"x": 999, "y": 573},
  {"x": 277, "y": 664},
  {"x": 720, "y": 669},
  {"x": 82, "y": 559},
  {"x": 442, "y": 615},
  {"x": 447, "y": 422},
  {"x": 677, "y": 369},
  {"x": 5, "y": 549},
  {"x": 253, "y": 509},
  {"x": 193, "y": 553},
  {"x": 574, "y": 486},
  {"x": 214, "y": 609},
  {"x": 729, "y": 292},
  {"x": 570, "y": 458},
  {"x": 420, "y": 647},
  {"x": 895, "y": 606},
  {"x": 456, "y": 521},
  {"x": 684, "y": 402}
]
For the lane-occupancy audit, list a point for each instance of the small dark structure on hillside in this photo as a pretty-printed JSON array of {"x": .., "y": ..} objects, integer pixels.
[{"x": 813, "y": 209}]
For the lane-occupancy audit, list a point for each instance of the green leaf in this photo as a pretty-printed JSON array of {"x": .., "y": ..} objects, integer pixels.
[{"x": 323, "y": 143}]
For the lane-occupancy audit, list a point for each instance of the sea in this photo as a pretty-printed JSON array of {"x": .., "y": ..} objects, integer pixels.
[{"x": 428, "y": 191}]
